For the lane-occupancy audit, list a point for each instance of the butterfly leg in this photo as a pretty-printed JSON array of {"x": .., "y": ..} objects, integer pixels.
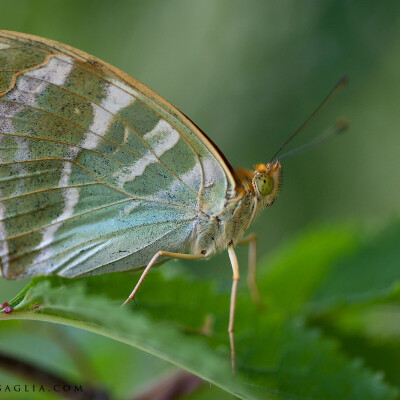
[
  {"x": 153, "y": 261},
  {"x": 235, "y": 281},
  {"x": 251, "y": 240}
]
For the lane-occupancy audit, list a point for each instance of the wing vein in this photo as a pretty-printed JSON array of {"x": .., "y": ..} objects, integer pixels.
[
  {"x": 130, "y": 196},
  {"x": 111, "y": 234},
  {"x": 141, "y": 249},
  {"x": 77, "y": 216},
  {"x": 61, "y": 142},
  {"x": 49, "y": 190}
]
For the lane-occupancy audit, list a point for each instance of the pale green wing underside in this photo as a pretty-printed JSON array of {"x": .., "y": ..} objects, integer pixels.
[{"x": 97, "y": 172}]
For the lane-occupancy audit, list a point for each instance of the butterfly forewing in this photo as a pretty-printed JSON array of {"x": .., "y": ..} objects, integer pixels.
[{"x": 97, "y": 172}]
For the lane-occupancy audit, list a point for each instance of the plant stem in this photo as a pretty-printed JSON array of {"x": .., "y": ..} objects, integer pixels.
[{"x": 181, "y": 383}]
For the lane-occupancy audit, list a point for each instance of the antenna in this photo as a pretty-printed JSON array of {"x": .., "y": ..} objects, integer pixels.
[
  {"x": 340, "y": 125},
  {"x": 337, "y": 88}
]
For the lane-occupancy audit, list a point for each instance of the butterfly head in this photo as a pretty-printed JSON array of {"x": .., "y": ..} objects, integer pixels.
[{"x": 267, "y": 182}]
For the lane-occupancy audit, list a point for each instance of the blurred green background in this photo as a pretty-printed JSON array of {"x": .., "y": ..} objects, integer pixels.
[{"x": 249, "y": 73}]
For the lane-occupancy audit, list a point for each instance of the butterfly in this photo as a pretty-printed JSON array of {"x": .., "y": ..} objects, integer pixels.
[{"x": 100, "y": 174}]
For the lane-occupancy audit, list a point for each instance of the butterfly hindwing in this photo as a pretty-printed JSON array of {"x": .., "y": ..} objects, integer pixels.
[{"x": 97, "y": 172}]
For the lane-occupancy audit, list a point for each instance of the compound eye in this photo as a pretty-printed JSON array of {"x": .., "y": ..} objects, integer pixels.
[{"x": 264, "y": 184}]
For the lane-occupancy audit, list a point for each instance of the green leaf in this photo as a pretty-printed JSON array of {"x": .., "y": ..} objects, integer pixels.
[
  {"x": 277, "y": 357},
  {"x": 370, "y": 331},
  {"x": 349, "y": 288},
  {"x": 331, "y": 266},
  {"x": 296, "y": 271},
  {"x": 370, "y": 273}
]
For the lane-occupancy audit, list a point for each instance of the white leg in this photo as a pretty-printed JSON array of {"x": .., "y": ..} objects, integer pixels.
[
  {"x": 235, "y": 281},
  {"x": 251, "y": 240},
  {"x": 153, "y": 261}
]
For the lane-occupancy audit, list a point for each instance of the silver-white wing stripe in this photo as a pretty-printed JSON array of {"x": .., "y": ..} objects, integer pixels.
[
  {"x": 56, "y": 71},
  {"x": 165, "y": 137},
  {"x": 114, "y": 101},
  {"x": 3, "y": 237}
]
